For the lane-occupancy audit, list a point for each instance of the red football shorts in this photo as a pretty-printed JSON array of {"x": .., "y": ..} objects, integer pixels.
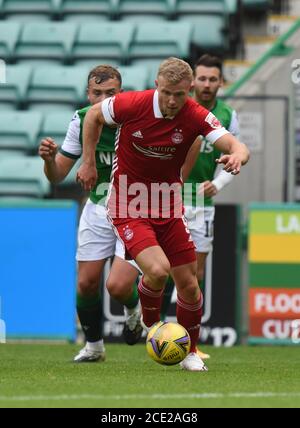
[{"x": 172, "y": 235}]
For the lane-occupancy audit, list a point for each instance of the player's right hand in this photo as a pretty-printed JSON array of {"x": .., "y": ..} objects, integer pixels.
[
  {"x": 87, "y": 176},
  {"x": 48, "y": 149},
  {"x": 209, "y": 189}
]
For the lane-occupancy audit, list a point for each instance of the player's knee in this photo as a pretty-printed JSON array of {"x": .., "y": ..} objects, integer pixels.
[
  {"x": 116, "y": 287},
  {"x": 159, "y": 272},
  {"x": 190, "y": 291},
  {"x": 88, "y": 286}
]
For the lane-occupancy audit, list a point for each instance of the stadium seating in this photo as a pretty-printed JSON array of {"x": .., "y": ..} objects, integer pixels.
[
  {"x": 13, "y": 94},
  {"x": 208, "y": 31},
  {"x": 55, "y": 125},
  {"x": 46, "y": 41},
  {"x": 88, "y": 64},
  {"x": 9, "y": 35},
  {"x": 200, "y": 6},
  {"x": 104, "y": 40},
  {"x": 151, "y": 66},
  {"x": 135, "y": 8},
  {"x": 87, "y": 9},
  {"x": 153, "y": 69},
  {"x": 134, "y": 78},
  {"x": 23, "y": 176},
  {"x": 32, "y": 8},
  {"x": 5, "y": 154},
  {"x": 19, "y": 130},
  {"x": 161, "y": 40},
  {"x": 57, "y": 87}
]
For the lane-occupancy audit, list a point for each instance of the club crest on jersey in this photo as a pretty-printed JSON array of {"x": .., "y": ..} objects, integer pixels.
[
  {"x": 128, "y": 234},
  {"x": 213, "y": 121},
  {"x": 177, "y": 137}
]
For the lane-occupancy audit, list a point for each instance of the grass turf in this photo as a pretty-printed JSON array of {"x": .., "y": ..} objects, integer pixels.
[{"x": 44, "y": 376}]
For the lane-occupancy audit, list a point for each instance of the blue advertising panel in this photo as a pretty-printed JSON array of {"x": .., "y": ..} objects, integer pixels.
[{"x": 38, "y": 269}]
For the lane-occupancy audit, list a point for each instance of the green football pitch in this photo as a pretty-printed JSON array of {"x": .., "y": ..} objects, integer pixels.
[{"x": 44, "y": 376}]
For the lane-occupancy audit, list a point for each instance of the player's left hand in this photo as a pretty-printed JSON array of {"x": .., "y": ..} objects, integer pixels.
[{"x": 232, "y": 163}]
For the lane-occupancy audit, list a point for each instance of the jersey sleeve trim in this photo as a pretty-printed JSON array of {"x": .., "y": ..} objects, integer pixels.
[
  {"x": 71, "y": 142},
  {"x": 108, "y": 111},
  {"x": 68, "y": 155},
  {"x": 213, "y": 136}
]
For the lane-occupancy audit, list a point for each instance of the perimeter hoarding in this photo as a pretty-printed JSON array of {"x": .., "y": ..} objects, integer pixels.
[{"x": 274, "y": 268}]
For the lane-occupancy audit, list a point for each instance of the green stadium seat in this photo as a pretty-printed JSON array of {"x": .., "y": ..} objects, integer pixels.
[
  {"x": 161, "y": 40},
  {"x": 47, "y": 40},
  {"x": 26, "y": 9},
  {"x": 14, "y": 92},
  {"x": 200, "y": 6},
  {"x": 9, "y": 36},
  {"x": 107, "y": 40},
  {"x": 19, "y": 130},
  {"x": 23, "y": 176},
  {"x": 152, "y": 66},
  {"x": 58, "y": 86},
  {"x": 51, "y": 107},
  {"x": 144, "y": 17},
  {"x": 7, "y": 107},
  {"x": 87, "y": 17},
  {"x": 30, "y": 6},
  {"x": 83, "y": 8},
  {"x": 55, "y": 125},
  {"x": 152, "y": 75},
  {"x": 232, "y": 6},
  {"x": 134, "y": 78},
  {"x": 28, "y": 17},
  {"x": 5, "y": 154},
  {"x": 92, "y": 63},
  {"x": 153, "y": 7},
  {"x": 208, "y": 31}
]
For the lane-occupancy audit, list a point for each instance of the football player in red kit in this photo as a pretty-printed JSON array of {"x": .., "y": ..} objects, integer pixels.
[{"x": 156, "y": 129}]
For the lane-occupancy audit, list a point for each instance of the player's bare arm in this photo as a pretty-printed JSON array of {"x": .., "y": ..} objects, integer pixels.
[
  {"x": 236, "y": 153},
  {"x": 190, "y": 159},
  {"x": 92, "y": 129},
  {"x": 56, "y": 166}
]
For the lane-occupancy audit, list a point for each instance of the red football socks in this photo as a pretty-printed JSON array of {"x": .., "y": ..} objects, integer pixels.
[
  {"x": 189, "y": 316},
  {"x": 151, "y": 303}
]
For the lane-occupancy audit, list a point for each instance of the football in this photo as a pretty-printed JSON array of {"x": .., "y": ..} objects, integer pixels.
[{"x": 168, "y": 343}]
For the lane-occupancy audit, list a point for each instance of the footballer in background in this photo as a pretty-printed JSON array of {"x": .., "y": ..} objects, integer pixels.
[{"x": 96, "y": 239}]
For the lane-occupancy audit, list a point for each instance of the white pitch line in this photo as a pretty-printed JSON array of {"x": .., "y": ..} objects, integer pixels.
[{"x": 150, "y": 396}]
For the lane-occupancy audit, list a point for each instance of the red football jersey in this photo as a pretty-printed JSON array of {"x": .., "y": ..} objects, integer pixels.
[{"x": 151, "y": 149}]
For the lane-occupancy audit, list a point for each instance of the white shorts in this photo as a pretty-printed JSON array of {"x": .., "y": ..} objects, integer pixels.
[
  {"x": 201, "y": 225},
  {"x": 96, "y": 238}
]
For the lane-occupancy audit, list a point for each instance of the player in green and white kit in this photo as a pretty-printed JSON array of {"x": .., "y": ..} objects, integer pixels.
[
  {"x": 96, "y": 239},
  {"x": 208, "y": 78}
]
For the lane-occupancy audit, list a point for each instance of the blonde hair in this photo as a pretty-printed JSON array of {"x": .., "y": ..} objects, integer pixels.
[{"x": 174, "y": 70}]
